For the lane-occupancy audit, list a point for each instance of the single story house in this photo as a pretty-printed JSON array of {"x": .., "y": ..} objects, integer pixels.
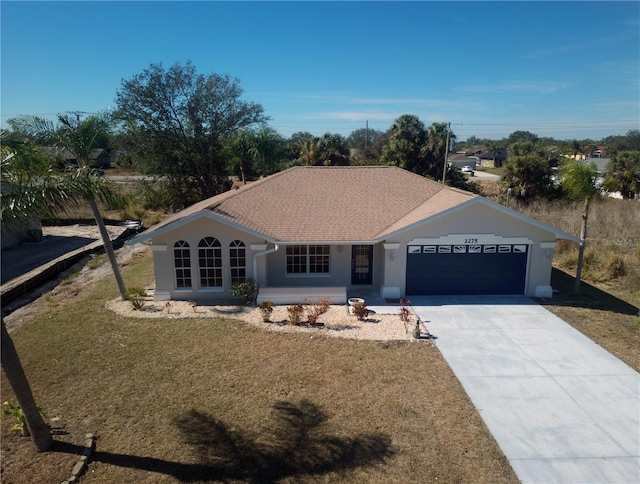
[{"x": 309, "y": 231}]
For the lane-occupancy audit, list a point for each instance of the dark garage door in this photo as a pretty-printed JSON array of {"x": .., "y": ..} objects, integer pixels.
[{"x": 466, "y": 269}]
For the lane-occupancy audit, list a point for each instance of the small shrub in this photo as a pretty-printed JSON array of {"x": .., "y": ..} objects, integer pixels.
[
  {"x": 317, "y": 309},
  {"x": 247, "y": 290},
  {"x": 136, "y": 297},
  {"x": 360, "y": 311},
  {"x": 404, "y": 312},
  {"x": 295, "y": 314},
  {"x": 10, "y": 410},
  {"x": 266, "y": 308}
]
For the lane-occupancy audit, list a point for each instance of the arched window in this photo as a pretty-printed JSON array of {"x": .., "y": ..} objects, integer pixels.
[
  {"x": 210, "y": 260},
  {"x": 182, "y": 263},
  {"x": 237, "y": 261}
]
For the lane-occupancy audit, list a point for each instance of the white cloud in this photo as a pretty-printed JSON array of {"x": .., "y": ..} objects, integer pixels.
[
  {"x": 358, "y": 115},
  {"x": 540, "y": 87}
]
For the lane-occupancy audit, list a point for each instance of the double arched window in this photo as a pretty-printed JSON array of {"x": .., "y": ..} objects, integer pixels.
[{"x": 210, "y": 262}]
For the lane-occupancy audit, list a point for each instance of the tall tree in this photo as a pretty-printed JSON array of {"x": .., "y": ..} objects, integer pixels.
[
  {"x": 407, "y": 142},
  {"x": 181, "y": 119},
  {"x": 527, "y": 172},
  {"x": 437, "y": 148},
  {"x": 623, "y": 174},
  {"x": 579, "y": 180},
  {"x": 363, "y": 138},
  {"x": 29, "y": 192},
  {"x": 332, "y": 150},
  {"x": 78, "y": 137},
  {"x": 258, "y": 151},
  {"x": 518, "y": 136},
  {"x": 268, "y": 150},
  {"x": 13, "y": 370}
]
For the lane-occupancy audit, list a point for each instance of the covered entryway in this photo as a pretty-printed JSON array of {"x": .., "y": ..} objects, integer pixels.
[{"x": 466, "y": 269}]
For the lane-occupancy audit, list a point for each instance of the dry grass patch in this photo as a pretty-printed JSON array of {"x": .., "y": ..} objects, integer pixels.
[
  {"x": 610, "y": 321},
  {"x": 217, "y": 399}
]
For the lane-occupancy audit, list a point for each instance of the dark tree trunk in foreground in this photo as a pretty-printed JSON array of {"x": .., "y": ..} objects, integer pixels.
[{"x": 40, "y": 434}]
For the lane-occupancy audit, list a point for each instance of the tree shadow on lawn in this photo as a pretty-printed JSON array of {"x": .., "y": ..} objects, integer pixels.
[
  {"x": 297, "y": 445},
  {"x": 590, "y": 297}
]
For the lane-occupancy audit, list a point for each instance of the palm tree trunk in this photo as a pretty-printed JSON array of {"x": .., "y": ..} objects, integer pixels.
[
  {"x": 108, "y": 247},
  {"x": 583, "y": 237},
  {"x": 12, "y": 367}
]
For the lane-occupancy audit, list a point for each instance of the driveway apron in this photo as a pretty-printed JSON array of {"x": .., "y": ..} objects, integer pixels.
[{"x": 561, "y": 408}]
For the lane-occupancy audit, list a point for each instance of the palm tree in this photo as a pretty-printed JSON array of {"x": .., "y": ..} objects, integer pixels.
[
  {"x": 407, "y": 141},
  {"x": 79, "y": 138},
  {"x": 579, "y": 181},
  {"x": 439, "y": 138},
  {"x": 13, "y": 215},
  {"x": 623, "y": 174}
]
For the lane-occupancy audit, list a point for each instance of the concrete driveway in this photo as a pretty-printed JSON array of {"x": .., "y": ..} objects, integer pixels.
[{"x": 561, "y": 408}]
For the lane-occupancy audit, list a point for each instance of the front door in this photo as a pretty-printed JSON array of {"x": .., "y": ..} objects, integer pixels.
[{"x": 362, "y": 264}]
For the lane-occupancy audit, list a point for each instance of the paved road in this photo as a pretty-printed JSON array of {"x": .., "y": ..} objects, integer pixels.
[
  {"x": 561, "y": 408},
  {"x": 57, "y": 241},
  {"x": 483, "y": 175}
]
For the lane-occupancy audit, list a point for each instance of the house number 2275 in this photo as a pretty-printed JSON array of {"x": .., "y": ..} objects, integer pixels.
[{"x": 470, "y": 241}]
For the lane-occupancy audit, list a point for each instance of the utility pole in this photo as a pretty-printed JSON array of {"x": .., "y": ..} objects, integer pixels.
[
  {"x": 366, "y": 139},
  {"x": 77, "y": 114},
  {"x": 446, "y": 153}
]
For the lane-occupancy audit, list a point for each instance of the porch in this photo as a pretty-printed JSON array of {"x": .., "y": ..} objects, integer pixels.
[{"x": 301, "y": 295}]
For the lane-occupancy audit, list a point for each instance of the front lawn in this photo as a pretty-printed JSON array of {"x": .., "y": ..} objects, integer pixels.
[{"x": 217, "y": 400}]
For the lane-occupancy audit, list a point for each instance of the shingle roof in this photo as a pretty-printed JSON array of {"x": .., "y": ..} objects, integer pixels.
[{"x": 325, "y": 204}]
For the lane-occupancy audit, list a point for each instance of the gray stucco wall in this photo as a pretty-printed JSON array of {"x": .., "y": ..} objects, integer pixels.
[
  {"x": 486, "y": 224},
  {"x": 192, "y": 233}
]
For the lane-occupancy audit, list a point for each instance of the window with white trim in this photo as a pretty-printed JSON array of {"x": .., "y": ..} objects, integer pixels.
[
  {"x": 210, "y": 262},
  {"x": 307, "y": 259},
  {"x": 182, "y": 263},
  {"x": 237, "y": 261}
]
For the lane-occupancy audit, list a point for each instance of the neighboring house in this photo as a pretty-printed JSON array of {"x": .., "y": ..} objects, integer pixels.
[
  {"x": 101, "y": 156},
  {"x": 360, "y": 229},
  {"x": 455, "y": 159},
  {"x": 98, "y": 155},
  {"x": 493, "y": 160}
]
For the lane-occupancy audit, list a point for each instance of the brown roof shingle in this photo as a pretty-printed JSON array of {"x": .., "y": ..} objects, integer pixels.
[{"x": 323, "y": 204}]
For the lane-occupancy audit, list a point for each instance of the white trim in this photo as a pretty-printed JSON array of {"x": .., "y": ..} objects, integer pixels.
[
  {"x": 478, "y": 199},
  {"x": 548, "y": 245},
  {"x": 304, "y": 275},
  {"x": 209, "y": 289},
  {"x": 543, "y": 292},
  {"x": 158, "y": 247},
  {"x": 391, "y": 246},
  {"x": 162, "y": 295},
  {"x": 258, "y": 247},
  {"x": 470, "y": 239}
]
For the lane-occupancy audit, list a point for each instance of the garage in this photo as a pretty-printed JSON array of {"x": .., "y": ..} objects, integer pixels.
[{"x": 466, "y": 269}]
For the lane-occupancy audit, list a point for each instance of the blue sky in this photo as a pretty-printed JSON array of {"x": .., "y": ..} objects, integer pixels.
[{"x": 561, "y": 69}]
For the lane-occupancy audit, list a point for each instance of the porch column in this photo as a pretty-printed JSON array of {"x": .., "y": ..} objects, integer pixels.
[{"x": 390, "y": 288}]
